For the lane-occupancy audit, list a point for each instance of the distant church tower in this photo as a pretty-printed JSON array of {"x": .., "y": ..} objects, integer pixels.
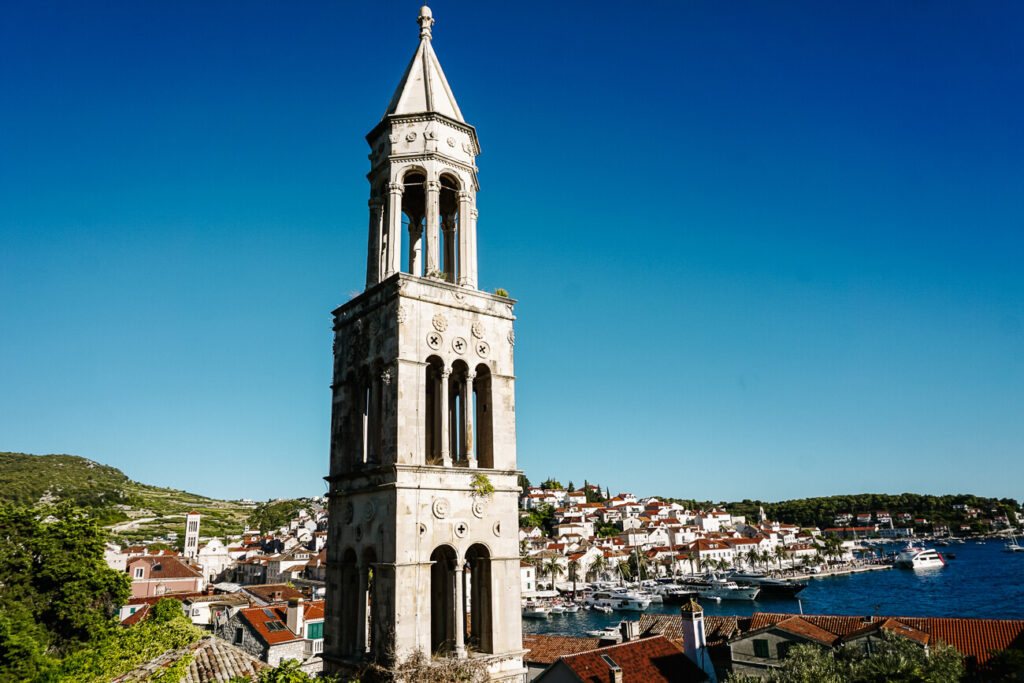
[
  {"x": 191, "y": 535},
  {"x": 423, "y": 480}
]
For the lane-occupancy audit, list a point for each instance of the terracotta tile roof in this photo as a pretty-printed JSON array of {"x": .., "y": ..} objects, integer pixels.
[
  {"x": 972, "y": 637},
  {"x": 213, "y": 660},
  {"x": 648, "y": 660},
  {"x": 542, "y": 649},
  {"x": 165, "y": 568},
  {"x": 153, "y": 599},
  {"x": 805, "y": 629},
  {"x": 893, "y": 626},
  {"x": 717, "y": 629},
  {"x": 136, "y": 616},
  {"x": 273, "y": 592},
  {"x": 262, "y": 620}
]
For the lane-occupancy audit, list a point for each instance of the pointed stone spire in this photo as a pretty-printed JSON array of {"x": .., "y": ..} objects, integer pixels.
[{"x": 423, "y": 87}]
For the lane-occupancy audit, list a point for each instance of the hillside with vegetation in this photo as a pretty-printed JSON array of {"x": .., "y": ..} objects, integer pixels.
[
  {"x": 821, "y": 512},
  {"x": 132, "y": 511}
]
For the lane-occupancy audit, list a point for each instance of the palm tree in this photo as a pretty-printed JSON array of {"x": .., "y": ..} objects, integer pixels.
[
  {"x": 780, "y": 555},
  {"x": 574, "y": 567},
  {"x": 598, "y": 566},
  {"x": 553, "y": 568},
  {"x": 752, "y": 557}
]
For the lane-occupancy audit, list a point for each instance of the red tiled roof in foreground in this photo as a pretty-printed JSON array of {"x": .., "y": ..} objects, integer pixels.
[
  {"x": 542, "y": 649},
  {"x": 648, "y": 660},
  {"x": 259, "y": 617},
  {"x": 136, "y": 617},
  {"x": 717, "y": 629},
  {"x": 972, "y": 637}
]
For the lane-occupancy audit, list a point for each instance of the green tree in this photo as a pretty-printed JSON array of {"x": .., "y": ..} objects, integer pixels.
[
  {"x": 574, "y": 568},
  {"x": 551, "y": 484},
  {"x": 122, "y": 649},
  {"x": 597, "y": 567},
  {"x": 524, "y": 483},
  {"x": 57, "y": 593}
]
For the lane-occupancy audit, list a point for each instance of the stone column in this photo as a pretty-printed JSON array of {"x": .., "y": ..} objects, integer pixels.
[
  {"x": 467, "y": 419},
  {"x": 392, "y": 254},
  {"x": 465, "y": 207},
  {"x": 471, "y": 274},
  {"x": 415, "y": 246},
  {"x": 446, "y": 453},
  {"x": 375, "y": 242},
  {"x": 460, "y": 612},
  {"x": 433, "y": 226},
  {"x": 448, "y": 226}
]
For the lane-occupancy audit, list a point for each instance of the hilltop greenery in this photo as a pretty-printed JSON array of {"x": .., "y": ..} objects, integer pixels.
[
  {"x": 135, "y": 512},
  {"x": 31, "y": 479},
  {"x": 821, "y": 512},
  {"x": 274, "y": 514}
]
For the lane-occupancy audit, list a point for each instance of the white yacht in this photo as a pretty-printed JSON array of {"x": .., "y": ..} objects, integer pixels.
[
  {"x": 620, "y": 600},
  {"x": 723, "y": 589},
  {"x": 1012, "y": 546},
  {"x": 919, "y": 557},
  {"x": 536, "y": 610}
]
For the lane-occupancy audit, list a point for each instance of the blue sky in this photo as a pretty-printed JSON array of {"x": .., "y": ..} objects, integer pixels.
[{"x": 762, "y": 250}]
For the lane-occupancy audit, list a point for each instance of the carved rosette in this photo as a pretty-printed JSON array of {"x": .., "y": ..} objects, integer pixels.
[
  {"x": 440, "y": 323},
  {"x": 440, "y": 508},
  {"x": 479, "y": 508},
  {"x": 477, "y": 329}
]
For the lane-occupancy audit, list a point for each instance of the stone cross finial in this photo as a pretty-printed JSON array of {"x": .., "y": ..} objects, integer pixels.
[{"x": 426, "y": 20}]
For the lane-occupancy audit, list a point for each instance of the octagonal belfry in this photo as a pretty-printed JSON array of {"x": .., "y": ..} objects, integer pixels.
[{"x": 423, "y": 541}]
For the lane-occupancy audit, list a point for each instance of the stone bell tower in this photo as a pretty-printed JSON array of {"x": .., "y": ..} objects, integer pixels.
[{"x": 422, "y": 546}]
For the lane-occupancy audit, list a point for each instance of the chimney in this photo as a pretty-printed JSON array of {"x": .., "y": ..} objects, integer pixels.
[
  {"x": 296, "y": 612},
  {"x": 276, "y": 595},
  {"x": 630, "y": 630},
  {"x": 209, "y": 589},
  {"x": 615, "y": 674}
]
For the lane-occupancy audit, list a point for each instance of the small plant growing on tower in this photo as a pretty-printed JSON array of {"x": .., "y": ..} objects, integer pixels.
[
  {"x": 501, "y": 292},
  {"x": 482, "y": 486}
]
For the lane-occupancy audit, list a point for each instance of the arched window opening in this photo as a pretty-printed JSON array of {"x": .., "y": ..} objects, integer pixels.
[
  {"x": 461, "y": 414},
  {"x": 349, "y": 603},
  {"x": 448, "y": 209},
  {"x": 445, "y": 633},
  {"x": 480, "y": 607},
  {"x": 484, "y": 417},
  {"x": 432, "y": 411},
  {"x": 414, "y": 210}
]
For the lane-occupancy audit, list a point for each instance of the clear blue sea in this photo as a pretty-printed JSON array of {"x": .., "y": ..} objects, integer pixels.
[{"x": 982, "y": 581}]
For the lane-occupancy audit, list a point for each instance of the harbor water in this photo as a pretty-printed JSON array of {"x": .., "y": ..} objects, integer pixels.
[{"x": 981, "y": 582}]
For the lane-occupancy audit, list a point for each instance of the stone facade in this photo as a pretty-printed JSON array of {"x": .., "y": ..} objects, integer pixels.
[{"x": 423, "y": 479}]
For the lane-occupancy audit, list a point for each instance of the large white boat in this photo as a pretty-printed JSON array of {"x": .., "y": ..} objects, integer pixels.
[
  {"x": 919, "y": 557},
  {"x": 536, "y": 610},
  {"x": 722, "y": 589},
  {"x": 619, "y": 600}
]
